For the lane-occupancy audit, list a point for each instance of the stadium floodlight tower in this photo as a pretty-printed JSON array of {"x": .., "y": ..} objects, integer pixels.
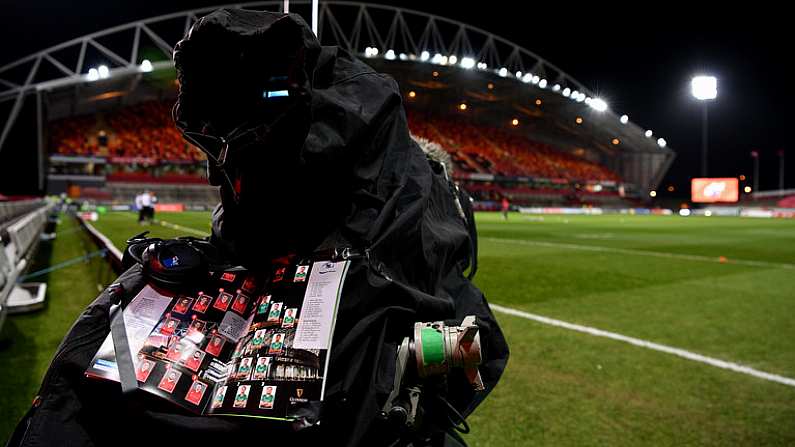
[{"x": 704, "y": 89}]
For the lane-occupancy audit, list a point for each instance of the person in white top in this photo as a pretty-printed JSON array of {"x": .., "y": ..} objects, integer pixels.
[
  {"x": 147, "y": 206},
  {"x": 139, "y": 206}
]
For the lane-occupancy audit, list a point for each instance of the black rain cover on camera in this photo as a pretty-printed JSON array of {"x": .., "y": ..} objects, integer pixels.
[{"x": 356, "y": 180}]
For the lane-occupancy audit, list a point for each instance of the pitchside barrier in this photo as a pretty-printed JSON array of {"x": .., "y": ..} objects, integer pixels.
[
  {"x": 113, "y": 254},
  {"x": 594, "y": 211},
  {"x": 18, "y": 248}
]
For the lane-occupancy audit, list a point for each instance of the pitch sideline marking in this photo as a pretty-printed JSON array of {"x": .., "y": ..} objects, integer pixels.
[
  {"x": 630, "y": 251},
  {"x": 182, "y": 228},
  {"x": 723, "y": 364}
]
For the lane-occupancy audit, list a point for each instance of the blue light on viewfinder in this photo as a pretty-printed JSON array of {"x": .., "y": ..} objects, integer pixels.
[{"x": 275, "y": 94}]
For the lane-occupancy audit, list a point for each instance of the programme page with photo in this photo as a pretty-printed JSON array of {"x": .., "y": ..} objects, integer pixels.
[{"x": 242, "y": 344}]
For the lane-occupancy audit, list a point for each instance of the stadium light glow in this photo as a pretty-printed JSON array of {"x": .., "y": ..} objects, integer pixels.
[
  {"x": 567, "y": 92},
  {"x": 616, "y": 141},
  {"x": 519, "y": 74},
  {"x": 578, "y": 120},
  {"x": 403, "y": 56},
  {"x": 424, "y": 56},
  {"x": 503, "y": 72},
  {"x": 437, "y": 58},
  {"x": 704, "y": 87},
  {"x": 556, "y": 87},
  {"x": 146, "y": 66},
  {"x": 412, "y": 94},
  {"x": 452, "y": 59},
  {"x": 390, "y": 55},
  {"x": 581, "y": 97},
  {"x": 515, "y": 122},
  {"x": 661, "y": 142},
  {"x": 574, "y": 94},
  {"x": 482, "y": 65},
  {"x": 542, "y": 83},
  {"x": 527, "y": 78},
  {"x": 93, "y": 74},
  {"x": 598, "y": 104},
  {"x": 538, "y": 102},
  {"x": 535, "y": 80},
  {"x": 462, "y": 106},
  {"x": 104, "y": 72},
  {"x": 652, "y": 193},
  {"x": 624, "y": 119},
  {"x": 747, "y": 190},
  {"x": 649, "y": 133},
  {"x": 468, "y": 63},
  {"x": 684, "y": 212}
]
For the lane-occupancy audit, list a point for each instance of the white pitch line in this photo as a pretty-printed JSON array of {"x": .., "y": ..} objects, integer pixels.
[
  {"x": 629, "y": 251},
  {"x": 181, "y": 228},
  {"x": 648, "y": 345}
]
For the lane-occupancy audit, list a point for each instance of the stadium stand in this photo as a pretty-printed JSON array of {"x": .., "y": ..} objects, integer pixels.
[
  {"x": 476, "y": 148},
  {"x": 145, "y": 132},
  {"x": 142, "y": 131},
  {"x": 21, "y": 224}
]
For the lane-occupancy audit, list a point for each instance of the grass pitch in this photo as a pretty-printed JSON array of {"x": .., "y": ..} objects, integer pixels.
[{"x": 721, "y": 287}]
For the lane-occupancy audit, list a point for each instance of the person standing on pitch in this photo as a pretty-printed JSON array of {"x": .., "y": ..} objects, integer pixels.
[
  {"x": 139, "y": 206},
  {"x": 506, "y": 205}
]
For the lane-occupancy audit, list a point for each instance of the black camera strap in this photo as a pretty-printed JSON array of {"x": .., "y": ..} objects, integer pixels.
[{"x": 124, "y": 361}]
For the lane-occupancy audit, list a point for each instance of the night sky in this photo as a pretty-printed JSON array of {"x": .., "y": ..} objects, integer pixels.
[{"x": 639, "y": 58}]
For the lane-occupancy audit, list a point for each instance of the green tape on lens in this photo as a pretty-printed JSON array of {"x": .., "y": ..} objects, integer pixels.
[{"x": 432, "y": 346}]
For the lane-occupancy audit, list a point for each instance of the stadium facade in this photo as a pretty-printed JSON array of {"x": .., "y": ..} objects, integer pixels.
[{"x": 450, "y": 73}]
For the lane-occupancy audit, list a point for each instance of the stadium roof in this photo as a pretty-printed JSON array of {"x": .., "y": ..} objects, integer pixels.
[{"x": 84, "y": 72}]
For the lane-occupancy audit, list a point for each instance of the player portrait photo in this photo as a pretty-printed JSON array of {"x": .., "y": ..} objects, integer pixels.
[
  {"x": 218, "y": 400},
  {"x": 169, "y": 380},
  {"x": 215, "y": 345},
  {"x": 262, "y": 305},
  {"x": 261, "y": 370},
  {"x": 241, "y": 398},
  {"x": 194, "y": 361},
  {"x": 202, "y": 303},
  {"x": 277, "y": 344},
  {"x": 176, "y": 350},
  {"x": 249, "y": 284},
  {"x": 244, "y": 368},
  {"x": 169, "y": 326},
  {"x": 275, "y": 313},
  {"x": 196, "y": 331},
  {"x": 289, "y": 317},
  {"x": 145, "y": 367},
  {"x": 259, "y": 338},
  {"x": 222, "y": 301},
  {"x": 182, "y": 306},
  {"x": 196, "y": 392},
  {"x": 240, "y": 303},
  {"x": 268, "y": 397},
  {"x": 300, "y": 273}
]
